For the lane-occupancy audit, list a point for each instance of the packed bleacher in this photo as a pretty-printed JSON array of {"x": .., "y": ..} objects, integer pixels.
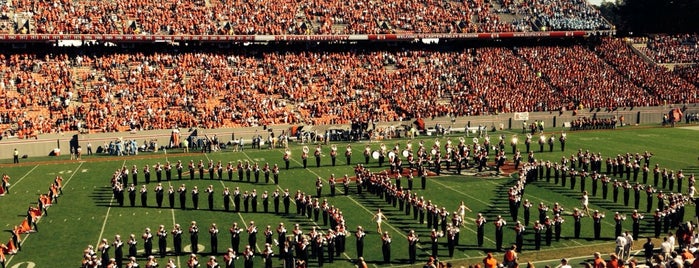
[
  {"x": 223, "y": 17},
  {"x": 672, "y": 48},
  {"x": 555, "y": 15},
  {"x": 656, "y": 80},
  {"x": 689, "y": 73},
  {"x": 131, "y": 91}
]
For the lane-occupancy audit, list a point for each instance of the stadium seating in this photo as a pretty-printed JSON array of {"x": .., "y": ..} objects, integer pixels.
[
  {"x": 124, "y": 91},
  {"x": 264, "y": 17}
]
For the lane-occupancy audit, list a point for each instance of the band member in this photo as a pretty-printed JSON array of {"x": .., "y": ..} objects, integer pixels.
[
  {"x": 597, "y": 223},
  {"x": 194, "y": 237},
  {"x": 132, "y": 245},
  {"x": 480, "y": 227},
  {"x": 304, "y": 156},
  {"x": 386, "y": 247},
  {"x": 499, "y": 227},
  {"x": 333, "y": 154},
  {"x": 162, "y": 241},
  {"x": 147, "y": 237},
  {"x": 348, "y": 154},
  {"x": 252, "y": 236},
  {"x": 412, "y": 246},
  {"x": 177, "y": 239},
  {"x": 359, "y": 235},
  {"x": 286, "y": 158},
  {"x": 317, "y": 154},
  {"x": 213, "y": 232}
]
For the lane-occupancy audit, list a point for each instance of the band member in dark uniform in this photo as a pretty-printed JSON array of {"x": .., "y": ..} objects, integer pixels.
[
  {"x": 210, "y": 196},
  {"x": 168, "y": 171},
  {"x": 597, "y": 223},
  {"x": 177, "y": 239},
  {"x": 179, "y": 167},
  {"x": 194, "y": 237},
  {"x": 287, "y": 201},
  {"x": 195, "y": 197},
  {"x": 162, "y": 241},
  {"x": 348, "y": 155},
  {"x": 286, "y": 158},
  {"x": 275, "y": 173},
  {"x": 132, "y": 195},
  {"x": 412, "y": 246},
  {"x": 480, "y": 227},
  {"x": 213, "y": 232},
  {"x": 333, "y": 154},
  {"x": 499, "y": 227},
  {"x": 146, "y": 174},
  {"x": 191, "y": 169},
  {"x": 134, "y": 175},
  {"x": 235, "y": 236},
  {"x": 359, "y": 235},
  {"x": 171, "y": 196},
  {"x": 236, "y": 200},
  {"x": 317, "y": 154},
  {"x": 182, "y": 191},
  {"x": 538, "y": 229},
  {"x": 304, "y": 156},
  {"x": 144, "y": 196},
  {"x": 386, "y": 247},
  {"x": 226, "y": 199},
  {"x": 519, "y": 236},
  {"x": 577, "y": 218},
  {"x": 159, "y": 194},
  {"x": 275, "y": 200}
]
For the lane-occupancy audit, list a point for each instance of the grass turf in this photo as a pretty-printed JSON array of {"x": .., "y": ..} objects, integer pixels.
[{"x": 86, "y": 212}]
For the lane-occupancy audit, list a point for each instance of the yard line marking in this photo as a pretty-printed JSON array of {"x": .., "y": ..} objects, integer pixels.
[
  {"x": 174, "y": 222},
  {"x": 467, "y": 195},
  {"x": 246, "y": 227},
  {"x": 22, "y": 178},
  {"x": 106, "y": 217},
  {"x": 37, "y": 221},
  {"x": 464, "y": 194},
  {"x": 74, "y": 172}
]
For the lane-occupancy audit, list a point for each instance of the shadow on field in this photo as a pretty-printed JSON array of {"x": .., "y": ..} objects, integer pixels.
[
  {"x": 101, "y": 196},
  {"x": 647, "y": 225}
]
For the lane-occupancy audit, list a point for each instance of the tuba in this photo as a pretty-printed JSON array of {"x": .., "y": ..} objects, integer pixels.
[
  {"x": 436, "y": 142},
  {"x": 349, "y": 148},
  {"x": 305, "y": 149},
  {"x": 475, "y": 140},
  {"x": 383, "y": 147},
  {"x": 333, "y": 147},
  {"x": 287, "y": 151},
  {"x": 462, "y": 139}
]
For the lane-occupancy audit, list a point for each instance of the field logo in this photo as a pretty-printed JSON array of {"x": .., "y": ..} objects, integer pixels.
[{"x": 26, "y": 264}]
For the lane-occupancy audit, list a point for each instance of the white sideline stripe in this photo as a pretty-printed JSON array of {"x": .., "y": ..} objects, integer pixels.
[
  {"x": 22, "y": 178},
  {"x": 106, "y": 217},
  {"x": 9, "y": 260}
]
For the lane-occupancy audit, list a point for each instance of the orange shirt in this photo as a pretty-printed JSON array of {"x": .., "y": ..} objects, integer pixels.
[
  {"x": 613, "y": 263},
  {"x": 490, "y": 263}
]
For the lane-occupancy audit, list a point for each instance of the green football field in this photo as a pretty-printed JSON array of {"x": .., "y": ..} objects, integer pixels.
[{"x": 87, "y": 212}]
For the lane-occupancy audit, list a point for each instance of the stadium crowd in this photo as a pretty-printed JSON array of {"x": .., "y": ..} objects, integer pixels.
[
  {"x": 656, "y": 80},
  {"x": 671, "y": 48},
  {"x": 555, "y": 15},
  {"x": 136, "y": 91},
  {"x": 290, "y": 17}
]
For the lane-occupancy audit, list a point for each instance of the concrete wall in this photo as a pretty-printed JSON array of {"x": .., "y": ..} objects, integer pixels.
[{"x": 47, "y": 142}]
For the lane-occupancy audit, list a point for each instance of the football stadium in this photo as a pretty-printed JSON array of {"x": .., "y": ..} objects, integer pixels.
[{"x": 532, "y": 133}]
